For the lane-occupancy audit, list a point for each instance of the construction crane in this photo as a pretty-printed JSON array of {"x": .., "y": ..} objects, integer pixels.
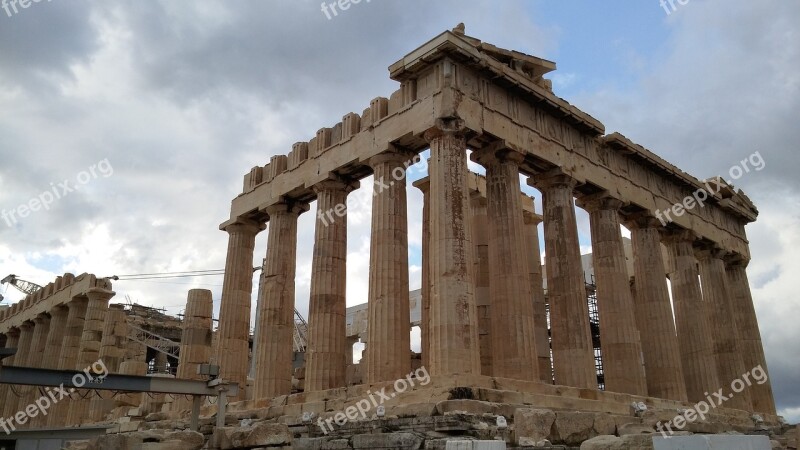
[{"x": 26, "y": 287}]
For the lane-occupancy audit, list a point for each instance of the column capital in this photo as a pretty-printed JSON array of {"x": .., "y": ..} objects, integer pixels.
[
  {"x": 286, "y": 207},
  {"x": 40, "y": 318},
  {"x": 672, "y": 235},
  {"x": 736, "y": 260},
  {"x": 641, "y": 220},
  {"x": 26, "y": 325},
  {"x": 396, "y": 155},
  {"x": 423, "y": 184},
  {"x": 241, "y": 224},
  {"x": 530, "y": 217},
  {"x": 13, "y": 332},
  {"x": 446, "y": 127},
  {"x": 100, "y": 294},
  {"x": 74, "y": 300},
  {"x": 58, "y": 310},
  {"x": 498, "y": 151},
  {"x": 599, "y": 201},
  {"x": 336, "y": 183},
  {"x": 706, "y": 251},
  {"x": 553, "y": 178}
]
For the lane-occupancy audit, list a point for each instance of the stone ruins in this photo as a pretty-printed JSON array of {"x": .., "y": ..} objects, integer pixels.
[{"x": 504, "y": 363}]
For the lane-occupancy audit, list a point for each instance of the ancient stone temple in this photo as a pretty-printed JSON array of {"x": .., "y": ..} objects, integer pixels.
[
  {"x": 508, "y": 355},
  {"x": 463, "y": 98}
]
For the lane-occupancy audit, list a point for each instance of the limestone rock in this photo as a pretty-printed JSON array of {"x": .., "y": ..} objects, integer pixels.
[
  {"x": 261, "y": 434},
  {"x": 572, "y": 428},
  {"x": 149, "y": 440},
  {"x": 634, "y": 428},
  {"x": 400, "y": 441},
  {"x": 604, "y": 424},
  {"x": 533, "y": 425},
  {"x": 602, "y": 443}
]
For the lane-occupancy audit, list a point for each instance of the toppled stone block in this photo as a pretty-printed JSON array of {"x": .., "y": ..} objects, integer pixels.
[
  {"x": 602, "y": 443},
  {"x": 321, "y": 444},
  {"x": 533, "y": 425},
  {"x": 572, "y": 428},
  {"x": 628, "y": 442},
  {"x": 634, "y": 428},
  {"x": 149, "y": 440},
  {"x": 712, "y": 442},
  {"x": 475, "y": 445},
  {"x": 398, "y": 441},
  {"x": 260, "y": 434}
]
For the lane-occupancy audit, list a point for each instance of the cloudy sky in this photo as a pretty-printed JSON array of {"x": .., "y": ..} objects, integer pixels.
[{"x": 173, "y": 101}]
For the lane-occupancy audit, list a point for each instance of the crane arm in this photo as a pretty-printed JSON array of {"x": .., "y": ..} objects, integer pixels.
[{"x": 26, "y": 287}]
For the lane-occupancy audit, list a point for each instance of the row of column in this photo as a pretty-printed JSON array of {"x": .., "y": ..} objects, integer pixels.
[
  {"x": 646, "y": 351},
  {"x": 66, "y": 338}
]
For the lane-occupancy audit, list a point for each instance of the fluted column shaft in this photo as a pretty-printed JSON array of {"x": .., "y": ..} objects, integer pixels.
[
  {"x": 389, "y": 350},
  {"x": 112, "y": 352},
  {"x": 55, "y": 337},
  {"x": 653, "y": 310},
  {"x": 573, "y": 352},
  {"x": 750, "y": 343},
  {"x": 20, "y": 360},
  {"x": 694, "y": 334},
  {"x": 721, "y": 320},
  {"x": 453, "y": 318},
  {"x": 327, "y": 352},
  {"x": 274, "y": 350},
  {"x": 195, "y": 339},
  {"x": 68, "y": 358},
  {"x": 479, "y": 220},
  {"x": 6, "y": 396},
  {"x": 35, "y": 360},
  {"x": 619, "y": 336},
  {"x": 534, "y": 251},
  {"x": 513, "y": 332},
  {"x": 233, "y": 346},
  {"x": 425, "y": 308},
  {"x": 92, "y": 337}
]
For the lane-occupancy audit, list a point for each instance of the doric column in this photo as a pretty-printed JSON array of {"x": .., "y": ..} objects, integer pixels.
[
  {"x": 721, "y": 320},
  {"x": 233, "y": 346},
  {"x": 480, "y": 273},
  {"x": 425, "y": 308},
  {"x": 750, "y": 345},
  {"x": 619, "y": 337},
  {"x": 453, "y": 320},
  {"x": 694, "y": 334},
  {"x": 96, "y": 312},
  {"x": 275, "y": 347},
  {"x": 534, "y": 251},
  {"x": 132, "y": 364},
  {"x": 573, "y": 352},
  {"x": 513, "y": 335},
  {"x": 388, "y": 310},
  {"x": 38, "y": 340},
  {"x": 195, "y": 340},
  {"x": 6, "y": 396},
  {"x": 662, "y": 361},
  {"x": 327, "y": 353},
  {"x": 20, "y": 360},
  {"x": 112, "y": 352},
  {"x": 68, "y": 358},
  {"x": 41, "y": 330},
  {"x": 55, "y": 338}
]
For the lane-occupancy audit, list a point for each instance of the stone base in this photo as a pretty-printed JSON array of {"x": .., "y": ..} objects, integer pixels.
[{"x": 417, "y": 415}]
